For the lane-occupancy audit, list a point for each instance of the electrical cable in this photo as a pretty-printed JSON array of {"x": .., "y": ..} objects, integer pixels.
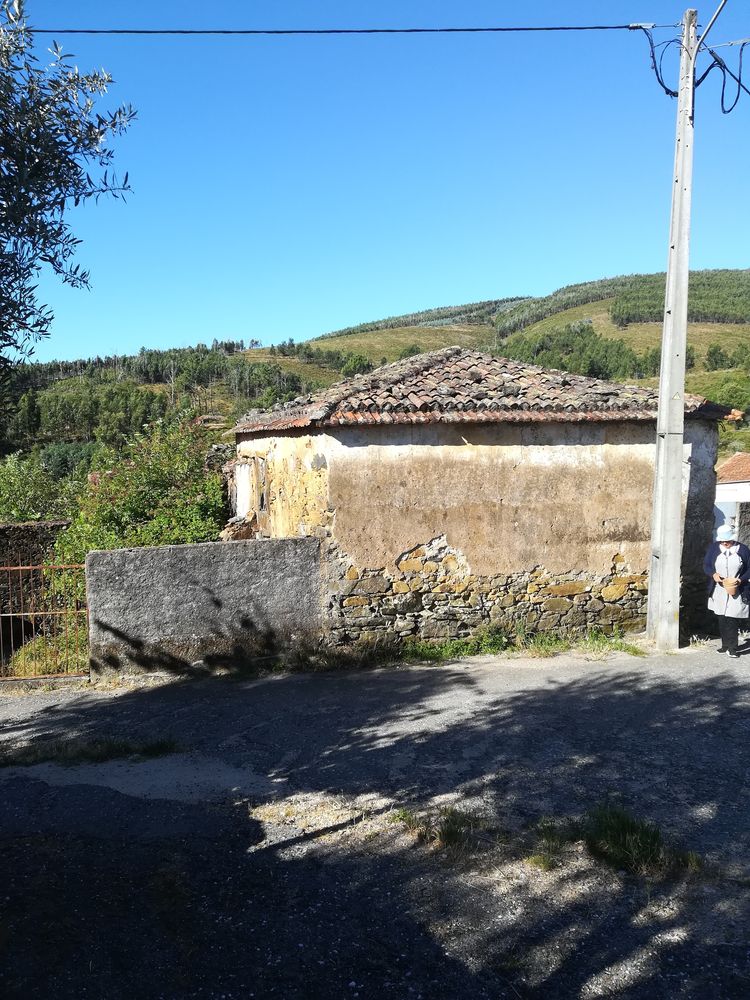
[
  {"x": 724, "y": 45},
  {"x": 647, "y": 29},
  {"x": 653, "y": 46},
  {"x": 726, "y": 71},
  {"x": 344, "y": 31}
]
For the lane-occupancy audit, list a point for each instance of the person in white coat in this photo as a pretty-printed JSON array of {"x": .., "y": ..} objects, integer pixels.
[{"x": 727, "y": 566}]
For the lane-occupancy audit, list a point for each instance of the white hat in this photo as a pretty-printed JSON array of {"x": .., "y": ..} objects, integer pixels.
[{"x": 725, "y": 533}]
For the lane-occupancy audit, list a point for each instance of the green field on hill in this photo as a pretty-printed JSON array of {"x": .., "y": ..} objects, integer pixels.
[
  {"x": 389, "y": 343},
  {"x": 645, "y": 336}
]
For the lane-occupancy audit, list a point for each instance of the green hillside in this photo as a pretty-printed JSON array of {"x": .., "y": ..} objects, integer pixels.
[
  {"x": 609, "y": 329},
  {"x": 627, "y": 308},
  {"x": 473, "y": 313},
  {"x": 643, "y": 336},
  {"x": 714, "y": 297},
  {"x": 389, "y": 342}
]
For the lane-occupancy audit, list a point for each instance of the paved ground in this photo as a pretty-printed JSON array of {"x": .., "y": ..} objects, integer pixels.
[{"x": 261, "y": 860}]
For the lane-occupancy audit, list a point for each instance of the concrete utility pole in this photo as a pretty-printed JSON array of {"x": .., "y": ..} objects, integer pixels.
[{"x": 666, "y": 524}]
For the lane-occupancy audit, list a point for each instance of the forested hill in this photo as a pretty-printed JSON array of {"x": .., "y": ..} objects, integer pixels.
[
  {"x": 474, "y": 313},
  {"x": 609, "y": 329},
  {"x": 714, "y": 297}
]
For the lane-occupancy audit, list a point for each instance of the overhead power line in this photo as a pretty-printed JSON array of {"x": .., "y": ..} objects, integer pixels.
[
  {"x": 347, "y": 31},
  {"x": 737, "y": 77}
]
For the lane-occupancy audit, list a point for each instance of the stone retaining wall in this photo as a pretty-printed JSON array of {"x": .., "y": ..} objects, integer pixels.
[
  {"x": 28, "y": 543},
  {"x": 434, "y": 595}
]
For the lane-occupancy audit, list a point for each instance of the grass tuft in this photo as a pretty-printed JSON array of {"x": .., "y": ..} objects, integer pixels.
[
  {"x": 545, "y": 644},
  {"x": 408, "y": 818},
  {"x": 618, "y": 839},
  {"x": 543, "y": 861},
  {"x": 489, "y": 640},
  {"x": 72, "y": 751},
  {"x": 612, "y": 835},
  {"x": 552, "y": 837},
  {"x": 450, "y": 830},
  {"x": 598, "y": 642}
]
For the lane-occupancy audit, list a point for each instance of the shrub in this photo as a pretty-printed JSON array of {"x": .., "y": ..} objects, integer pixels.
[
  {"x": 156, "y": 493},
  {"x": 410, "y": 351},
  {"x": 28, "y": 492},
  {"x": 716, "y": 357},
  {"x": 67, "y": 458},
  {"x": 62, "y": 653},
  {"x": 356, "y": 364}
]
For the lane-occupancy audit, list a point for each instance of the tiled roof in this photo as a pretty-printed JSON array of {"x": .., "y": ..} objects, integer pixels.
[
  {"x": 736, "y": 469},
  {"x": 454, "y": 385}
]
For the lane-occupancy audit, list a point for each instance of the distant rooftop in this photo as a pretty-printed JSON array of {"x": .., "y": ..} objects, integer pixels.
[
  {"x": 736, "y": 469},
  {"x": 455, "y": 385}
]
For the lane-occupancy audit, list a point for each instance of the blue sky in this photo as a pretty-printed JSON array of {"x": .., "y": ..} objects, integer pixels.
[{"x": 285, "y": 187}]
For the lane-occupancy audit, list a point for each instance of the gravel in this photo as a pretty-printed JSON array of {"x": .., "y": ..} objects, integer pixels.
[{"x": 265, "y": 858}]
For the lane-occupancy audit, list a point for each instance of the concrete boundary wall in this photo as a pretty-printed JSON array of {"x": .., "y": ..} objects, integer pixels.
[{"x": 177, "y": 607}]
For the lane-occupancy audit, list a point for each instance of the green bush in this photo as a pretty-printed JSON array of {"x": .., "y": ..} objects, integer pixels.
[
  {"x": 356, "y": 364},
  {"x": 156, "y": 492},
  {"x": 577, "y": 348},
  {"x": 66, "y": 458},
  {"x": 410, "y": 351},
  {"x": 28, "y": 492},
  {"x": 716, "y": 357}
]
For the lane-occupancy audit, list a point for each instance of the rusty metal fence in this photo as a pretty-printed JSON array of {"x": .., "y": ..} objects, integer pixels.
[{"x": 43, "y": 620}]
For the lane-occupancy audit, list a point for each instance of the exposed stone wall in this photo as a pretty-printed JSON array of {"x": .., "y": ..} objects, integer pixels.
[
  {"x": 743, "y": 523},
  {"x": 505, "y": 514},
  {"x": 432, "y": 594},
  {"x": 28, "y": 543},
  {"x": 181, "y": 607}
]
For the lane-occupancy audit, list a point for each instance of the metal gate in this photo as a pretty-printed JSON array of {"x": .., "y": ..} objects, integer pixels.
[{"x": 43, "y": 621}]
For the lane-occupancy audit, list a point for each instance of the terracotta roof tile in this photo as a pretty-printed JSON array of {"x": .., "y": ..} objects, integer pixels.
[
  {"x": 736, "y": 469},
  {"x": 457, "y": 385}
]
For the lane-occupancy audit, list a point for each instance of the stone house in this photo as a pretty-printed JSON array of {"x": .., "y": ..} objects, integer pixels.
[
  {"x": 453, "y": 489},
  {"x": 733, "y": 494}
]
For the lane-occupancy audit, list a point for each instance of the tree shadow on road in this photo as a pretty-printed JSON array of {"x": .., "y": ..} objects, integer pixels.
[{"x": 671, "y": 750}]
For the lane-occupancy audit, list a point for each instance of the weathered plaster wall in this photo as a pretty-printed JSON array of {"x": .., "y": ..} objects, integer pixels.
[
  {"x": 502, "y": 495},
  {"x": 295, "y": 472},
  {"x": 164, "y": 608},
  {"x": 490, "y": 506}
]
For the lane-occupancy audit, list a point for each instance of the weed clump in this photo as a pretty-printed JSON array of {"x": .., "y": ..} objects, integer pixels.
[
  {"x": 489, "y": 640},
  {"x": 388, "y": 651},
  {"x": 594, "y": 641},
  {"x": 612, "y": 835},
  {"x": 450, "y": 830},
  {"x": 552, "y": 837}
]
